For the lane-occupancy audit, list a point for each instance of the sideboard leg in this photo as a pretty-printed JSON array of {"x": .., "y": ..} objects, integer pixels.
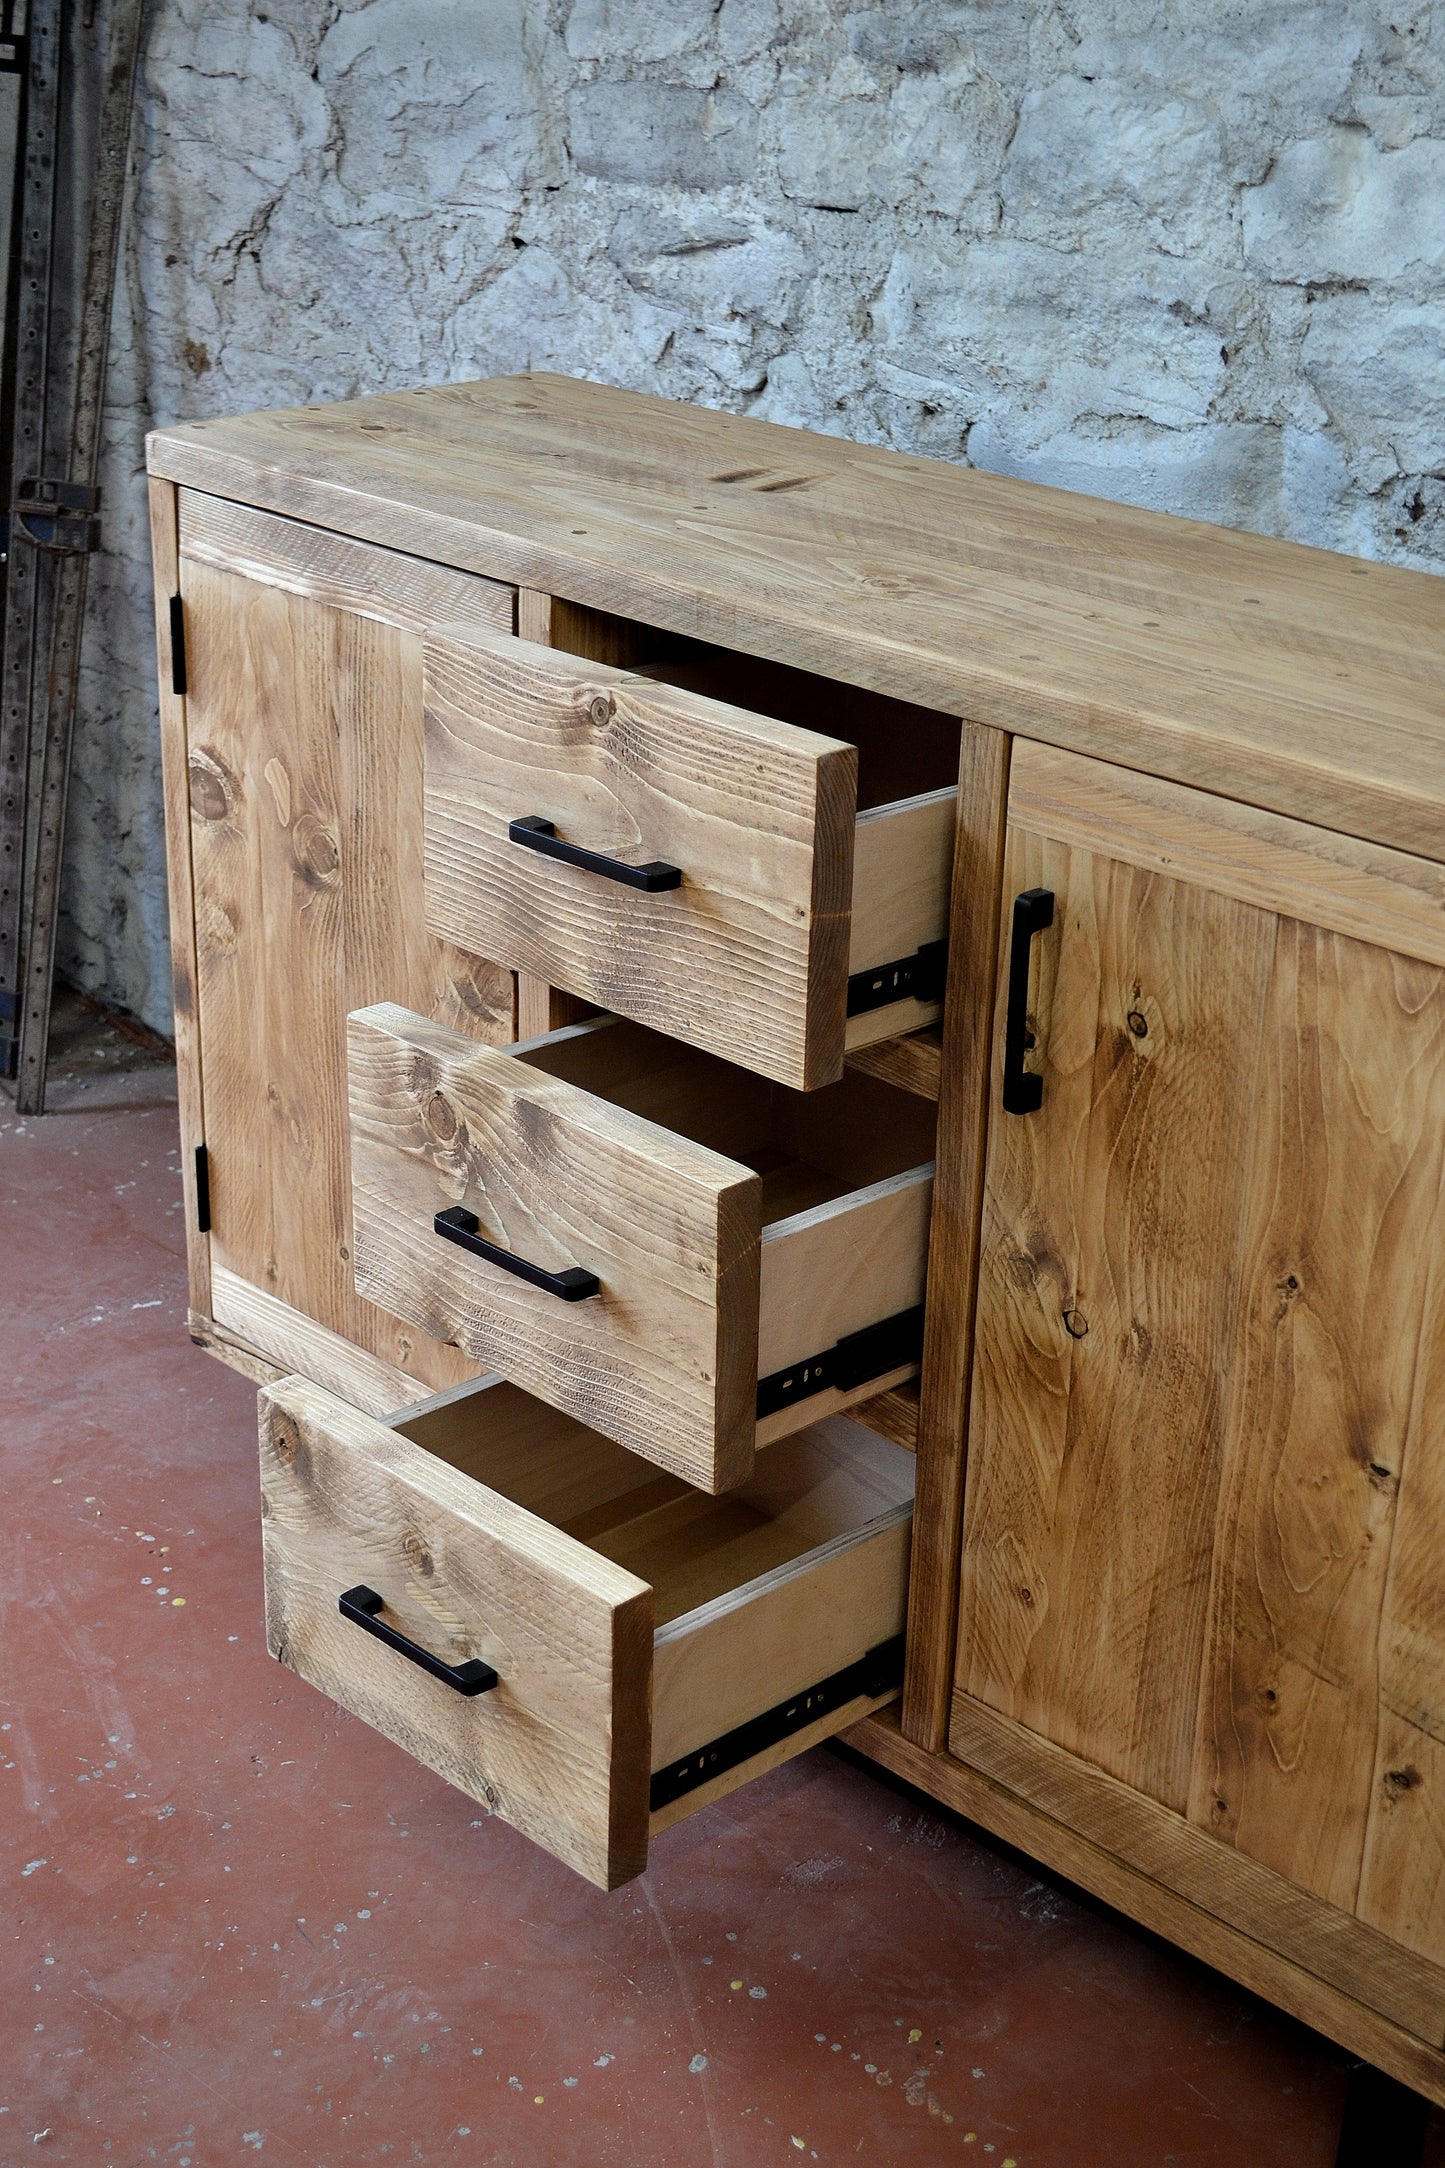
[{"x": 1383, "y": 2124}]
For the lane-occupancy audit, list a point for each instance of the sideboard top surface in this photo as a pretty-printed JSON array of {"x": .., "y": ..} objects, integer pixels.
[{"x": 1285, "y": 676}]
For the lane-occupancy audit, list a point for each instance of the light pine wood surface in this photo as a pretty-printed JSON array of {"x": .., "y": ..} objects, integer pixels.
[
  {"x": 560, "y": 1747},
  {"x": 303, "y": 722},
  {"x": 1388, "y": 897},
  {"x": 295, "y": 1342},
  {"x": 965, "y": 1070},
  {"x": 1206, "y": 1461},
  {"x": 665, "y": 1356},
  {"x": 496, "y": 1529},
  {"x": 912, "y": 1062},
  {"x": 595, "y": 1148},
  {"x": 749, "y": 955},
  {"x": 1286, "y": 677},
  {"x": 166, "y": 567}
]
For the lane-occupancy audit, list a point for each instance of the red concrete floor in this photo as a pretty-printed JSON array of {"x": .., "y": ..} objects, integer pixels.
[{"x": 241, "y": 1926}]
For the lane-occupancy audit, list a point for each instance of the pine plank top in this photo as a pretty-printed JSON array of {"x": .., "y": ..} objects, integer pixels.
[{"x": 1291, "y": 678}]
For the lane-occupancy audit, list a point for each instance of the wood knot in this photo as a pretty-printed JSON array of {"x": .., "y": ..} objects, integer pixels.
[
  {"x": 211, "y": 789},
  {"x": 315, "y": 852},
  {"x": 1075, "y": 1324},
  {"x": 439, "y": 1118},
  {"x": 418, "y": 1555},
  {"x": 285, "y": 1437},
  {"x": 1138, "y": 1023},
  {"x": 1400, "y": 1781}
]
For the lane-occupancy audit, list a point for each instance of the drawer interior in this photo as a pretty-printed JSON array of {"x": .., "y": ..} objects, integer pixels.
[
  {"x": 808, "y": 1148},
  {"x": 762, "y": 1594},
  {"x": 907, "y": 806},
  {"x": 582, "y": 1642},
  {"x": 829, "y": 1483},
  {"x": 904, "y": 751}
]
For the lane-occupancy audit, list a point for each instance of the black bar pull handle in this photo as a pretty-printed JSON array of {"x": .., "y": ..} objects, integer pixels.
[
  {"x": 460, "y": 1226},
  {"x": 361, "y": 1604},
  {"x": 1023, "y": 1093},
  {"x": 535, "y": 834}
]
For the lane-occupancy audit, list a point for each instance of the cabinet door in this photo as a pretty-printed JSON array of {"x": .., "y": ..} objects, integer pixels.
[
  {"x": 304, "y": 739},
  {"x": 1205, "y": 1513}
]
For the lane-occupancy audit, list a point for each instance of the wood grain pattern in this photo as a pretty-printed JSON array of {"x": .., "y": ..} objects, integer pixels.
[
  {"x": 1016, "y": 1821},
  {"x": 748, "y": 956},
  {"x": 913, "y": 1063},
  {"x": 1285, "y": 677},
  {"x": 1155, "y": 1841},
  {"x": 1106, "y": 1278},
  {"x": 290, "y": 1341},
  {"x": 664, "y": 1358},
  {"x": 1325, "y": 1428},
  {"x": 496, "y": 1528},
  {"x": 304, "y": 722},
  {"x": 965, "y": 1070},
  {"x": 830, "y": 1271},
  {"x": 1402, "y": 1876},
  {"x": 893, "y": 1414},
  {"x": 551, "y": 622},
  {"x": 332, "y": 569},
  {"x": 779, "y": 1635},
  {"x": 598, "y": 1147},
  {"x": 902, "y": 862},
  {"x": 560, "y": 1747},
  {"x": 1360, "y": 889},
  {"x": 1202, "y": 1532},
  {"x": 165, "y": 559}
]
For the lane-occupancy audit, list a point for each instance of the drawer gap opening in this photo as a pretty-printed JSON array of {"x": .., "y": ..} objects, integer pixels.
[
  {"x": 818, "y": 1486},
  {"x": 808, "y": 1147},
  {"x": 903, "y": 749}
]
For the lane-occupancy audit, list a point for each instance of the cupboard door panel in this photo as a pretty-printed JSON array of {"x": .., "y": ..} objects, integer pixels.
[
  {"x": 1206, "y": 1484},
  {"x": 304, "y": 730},
  {"x": 1097, "y": 1411},
  {"x": 1341, "y": 1210}
]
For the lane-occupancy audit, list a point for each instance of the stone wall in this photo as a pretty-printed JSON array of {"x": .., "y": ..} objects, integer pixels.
[{"x": 1191, "y": 256}]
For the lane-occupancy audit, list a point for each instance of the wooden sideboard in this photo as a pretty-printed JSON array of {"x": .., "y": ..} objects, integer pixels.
[{"x": 673, "y": 748}]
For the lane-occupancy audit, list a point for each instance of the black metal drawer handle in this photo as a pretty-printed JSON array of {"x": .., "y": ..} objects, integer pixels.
[
  {"x": 361, "y": 1604},
  {"x": 1023, "y": 1093},
  {"x": 539, "y": 835},
  {"x": 460, "y": 1226}
]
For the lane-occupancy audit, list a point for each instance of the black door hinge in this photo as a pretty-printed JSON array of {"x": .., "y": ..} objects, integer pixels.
[
  {"x": 879, "y": 1672},
  {"x": 913, "y": 978},
  {"x": 203, "y": 1190},
  {"x": 852, "y": 1361},
  {"x": 178, "y": 646},
  {"x": 60, "y": 517}
]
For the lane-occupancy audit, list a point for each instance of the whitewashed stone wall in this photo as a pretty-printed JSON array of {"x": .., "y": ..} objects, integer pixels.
[{"x": 1190, "y": 256}]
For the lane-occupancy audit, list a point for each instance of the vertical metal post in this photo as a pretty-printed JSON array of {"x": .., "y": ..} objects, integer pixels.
[
  {"x": 36, "y": 228},
  {"x": 122, "y": 46}
]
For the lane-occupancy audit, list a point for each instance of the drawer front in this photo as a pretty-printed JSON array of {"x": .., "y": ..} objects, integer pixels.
[
  {"x": 560, "y": 1746},
  {"x": 717, "y": 1309},
  {"x": 464, "y": 1579},
  {"x": 664, "y": 1355},
  {"x": 747, "y": 955}
]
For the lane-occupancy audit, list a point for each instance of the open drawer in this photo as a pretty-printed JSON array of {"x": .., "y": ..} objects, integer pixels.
[
  {"x": 585, "y": 1645},
  {"x": 760, "y": 889},
  {"x": 677, "y": 1252}
]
